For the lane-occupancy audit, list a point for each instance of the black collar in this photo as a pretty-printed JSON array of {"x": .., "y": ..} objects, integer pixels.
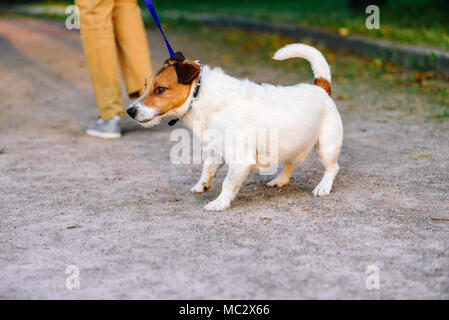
[
  {"x": 196, "y": 93},
  {"x": 197, "y": 90}
]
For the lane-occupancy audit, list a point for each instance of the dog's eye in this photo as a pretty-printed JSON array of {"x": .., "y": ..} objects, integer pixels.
[{"x": 159, "y": 90}]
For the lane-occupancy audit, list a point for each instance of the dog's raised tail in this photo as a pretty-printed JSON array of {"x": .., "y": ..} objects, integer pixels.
[{"x": 320, "y": 68}]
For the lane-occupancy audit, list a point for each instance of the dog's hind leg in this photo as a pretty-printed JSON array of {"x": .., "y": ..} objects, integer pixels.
[
  {"x": 237, "y": 173},
  {"x": 329, "y": 144},
  {"x": 283, "y": 178},
  {"x": 329, "y": 159},
  {"x": 210, "y": 167}
]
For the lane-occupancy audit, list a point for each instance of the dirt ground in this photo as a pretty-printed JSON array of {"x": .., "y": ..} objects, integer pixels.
[{"x": 123, "y": 213}]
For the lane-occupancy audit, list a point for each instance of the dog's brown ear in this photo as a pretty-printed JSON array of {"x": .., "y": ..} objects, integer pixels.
[{"x": 186, "y": 72}]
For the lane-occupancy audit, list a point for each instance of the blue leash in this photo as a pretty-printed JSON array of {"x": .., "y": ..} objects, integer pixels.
[{"x": 152, "y": 10}]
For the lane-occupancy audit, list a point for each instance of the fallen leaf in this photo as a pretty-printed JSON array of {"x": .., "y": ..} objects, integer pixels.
[
  {"x": 430, "y": 75},
  {"x": 419, "y": 78},
  {"x": 330, "y": 57},
  {"x": 419, "y": 156},
  {"x": 343, "y": 31},
  {"x": 378, "y": 63},
  {"x": 440, "y": 219},
  {"x": 351, "y": 106},
  {"x": 389, "y": 66},
  {"x": 307, "y": 41},
  {"x": 342, "y": 80},
  {"x": 342, "y": 97}
]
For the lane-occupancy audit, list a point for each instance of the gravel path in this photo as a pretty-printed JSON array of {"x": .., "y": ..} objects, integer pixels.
[{"x": 123, "y": 213}]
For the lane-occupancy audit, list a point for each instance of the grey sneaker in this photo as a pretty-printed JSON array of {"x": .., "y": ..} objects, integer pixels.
[{"x": 105, "y": 129}]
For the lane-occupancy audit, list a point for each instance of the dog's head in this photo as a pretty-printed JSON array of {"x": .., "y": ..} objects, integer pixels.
[{"x": 167, "y": 90}]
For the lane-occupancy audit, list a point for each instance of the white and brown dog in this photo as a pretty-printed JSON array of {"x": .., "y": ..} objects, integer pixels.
[{"x": 303, "y": 115}]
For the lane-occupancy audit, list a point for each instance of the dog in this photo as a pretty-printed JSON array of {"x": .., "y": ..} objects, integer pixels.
[{"x": 304, "y": 115}]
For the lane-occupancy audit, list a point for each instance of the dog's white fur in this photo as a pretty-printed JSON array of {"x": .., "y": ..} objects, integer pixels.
[{"x": 303, "y": 115}]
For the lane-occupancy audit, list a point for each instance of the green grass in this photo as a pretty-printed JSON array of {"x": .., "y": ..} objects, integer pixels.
[
  {"x": 424, "y": 22},
  {"x": 409, "y": 21},
  {"x": 366, "y": 81},
  {"x": 389, "y": 87}
]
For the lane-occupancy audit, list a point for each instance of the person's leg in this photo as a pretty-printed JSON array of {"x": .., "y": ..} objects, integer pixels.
[
  {"x": 97, "y": 34},
  {"x": 133, "y": 51}
]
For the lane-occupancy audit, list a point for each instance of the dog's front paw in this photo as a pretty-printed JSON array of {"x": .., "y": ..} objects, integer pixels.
[
  {"x": 322, "y": 189},
  {"x": 200, "y": 188},
  {"x": 218, "y": 205}
]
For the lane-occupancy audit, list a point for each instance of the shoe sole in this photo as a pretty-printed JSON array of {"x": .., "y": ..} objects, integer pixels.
[{"x": 103, "y": 135}]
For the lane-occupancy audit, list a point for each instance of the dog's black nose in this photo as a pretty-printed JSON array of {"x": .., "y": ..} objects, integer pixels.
[{"x": 132, "y": 112}]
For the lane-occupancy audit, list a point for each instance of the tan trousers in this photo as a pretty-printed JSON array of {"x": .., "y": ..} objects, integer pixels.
[{"x": 113, "y": 30}]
